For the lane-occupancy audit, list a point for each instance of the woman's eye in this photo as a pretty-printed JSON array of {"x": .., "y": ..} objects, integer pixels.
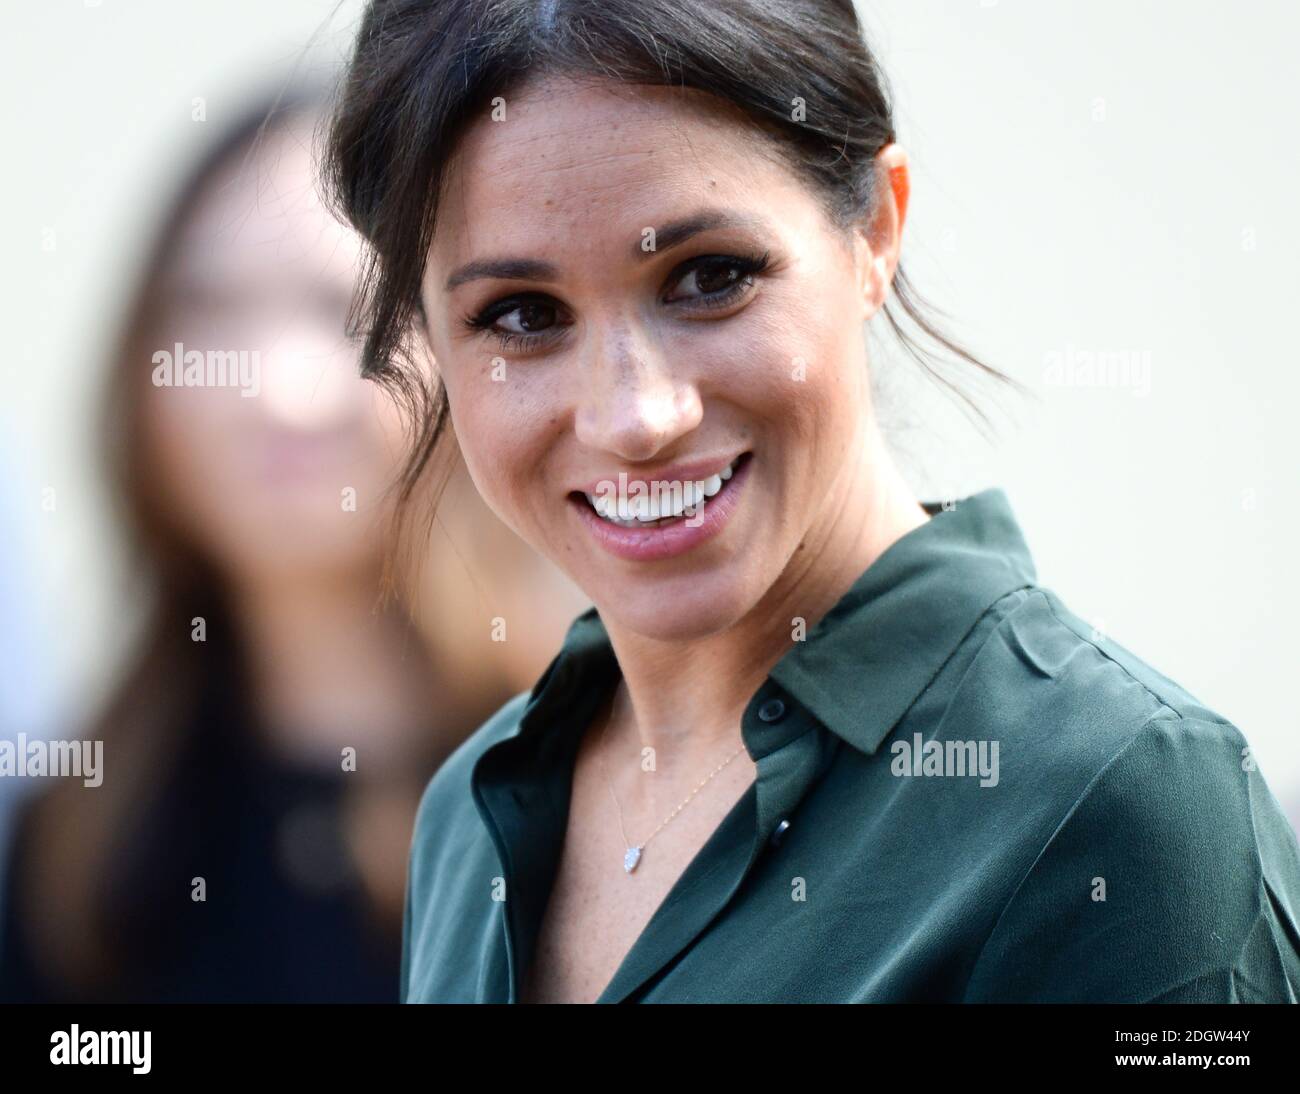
[
  {"x": 531, "y": 317},
  {"x": 525, "y": 322},
  {"x": 715, "y": 278},
  {"x": 706, "y": 281}
]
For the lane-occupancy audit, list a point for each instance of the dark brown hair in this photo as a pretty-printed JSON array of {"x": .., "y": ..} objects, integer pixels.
[{"x": 423, "y": 70}]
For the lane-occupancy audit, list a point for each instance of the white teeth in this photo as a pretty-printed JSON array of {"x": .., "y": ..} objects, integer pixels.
[{"x": 645, "y": 508}]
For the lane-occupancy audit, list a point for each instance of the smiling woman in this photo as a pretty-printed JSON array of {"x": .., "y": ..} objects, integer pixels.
[{"x": 641, "y": 240}]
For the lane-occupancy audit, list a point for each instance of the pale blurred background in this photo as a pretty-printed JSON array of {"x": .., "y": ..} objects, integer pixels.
[{"x": 1096, "y": 177}]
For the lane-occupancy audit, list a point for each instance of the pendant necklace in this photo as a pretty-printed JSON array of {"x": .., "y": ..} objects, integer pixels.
[{"x": 632, "y": 856}]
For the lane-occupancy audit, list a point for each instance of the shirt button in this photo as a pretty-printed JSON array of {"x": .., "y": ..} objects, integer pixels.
[
  {"x": 779, "y": 834},
  {"x": 772, "y": 710}
]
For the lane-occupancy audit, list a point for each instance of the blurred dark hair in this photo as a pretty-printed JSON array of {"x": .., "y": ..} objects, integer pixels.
[{"x": 423, "y": 70}]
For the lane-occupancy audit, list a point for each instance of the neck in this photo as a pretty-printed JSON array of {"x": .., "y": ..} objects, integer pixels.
[
  {"x": 329, "y": 671},
  {"x": 714, "y": 677}
]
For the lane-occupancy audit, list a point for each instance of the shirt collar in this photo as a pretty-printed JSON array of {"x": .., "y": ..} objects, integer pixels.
[
  {"x": 862, "y": 665},
  {"x": 870, "y": 657}
]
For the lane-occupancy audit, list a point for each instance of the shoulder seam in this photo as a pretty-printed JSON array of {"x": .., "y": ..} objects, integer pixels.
[
  {"x": 995, "y": 607},
  {"x": 1177, "y": 714}
]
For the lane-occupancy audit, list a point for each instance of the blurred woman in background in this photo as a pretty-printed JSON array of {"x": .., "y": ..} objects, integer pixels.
[{"x": 267, "y": 741}]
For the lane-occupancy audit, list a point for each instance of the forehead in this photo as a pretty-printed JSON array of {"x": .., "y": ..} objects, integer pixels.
[
  {"x": 259, "y": 217},
  {"x": 594, "y": 158}
]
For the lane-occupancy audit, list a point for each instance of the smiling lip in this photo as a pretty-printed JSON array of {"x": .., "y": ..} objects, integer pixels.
[{"x": 660, "y": 541}]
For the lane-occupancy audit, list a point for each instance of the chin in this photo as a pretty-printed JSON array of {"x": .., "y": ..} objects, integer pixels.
[{"x": 677, "y": 611}]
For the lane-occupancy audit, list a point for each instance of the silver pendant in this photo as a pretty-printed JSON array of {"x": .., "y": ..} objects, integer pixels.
[{"x": 631, "y": 858}]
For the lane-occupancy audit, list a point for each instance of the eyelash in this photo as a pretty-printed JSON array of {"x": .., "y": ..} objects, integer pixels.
[
  {"x": 483, "y": 321},
  {"x": 507, "y": 338},
  {"x": 748, "y": 265}
]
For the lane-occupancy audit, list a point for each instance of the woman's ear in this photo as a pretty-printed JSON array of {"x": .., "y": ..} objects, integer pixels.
[{"x": 880, "y": 236}]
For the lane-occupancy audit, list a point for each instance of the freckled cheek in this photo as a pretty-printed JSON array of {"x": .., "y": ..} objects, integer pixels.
[
  {"x": 797, "y": 375},
  {"x": 823, "y": 347},
  {"x": 773, "y": 369},
  {"x": 506, "y": 448},
  {"x": 749, "y": 365}
]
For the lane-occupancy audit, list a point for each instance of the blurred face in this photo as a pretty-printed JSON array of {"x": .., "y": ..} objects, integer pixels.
[
  {"x": 631, "y": 297},
  {"x": 281, "y": 467}
]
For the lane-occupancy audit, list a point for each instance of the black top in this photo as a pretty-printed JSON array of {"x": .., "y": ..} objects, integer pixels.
[{"x": 284, "y": 919}]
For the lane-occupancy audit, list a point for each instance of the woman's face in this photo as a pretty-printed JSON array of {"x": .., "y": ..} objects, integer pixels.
[
  {"x": 628, "y": 281},
  {"x": 285, "y": 474}
]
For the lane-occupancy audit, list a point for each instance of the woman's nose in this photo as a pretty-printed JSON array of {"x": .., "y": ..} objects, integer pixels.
[{"x": 633, "y": 402}]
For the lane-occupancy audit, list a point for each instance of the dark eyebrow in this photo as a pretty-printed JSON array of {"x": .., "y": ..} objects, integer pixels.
[
  {"x": 508, "y": 269},
  {"x": 677, "y": 232},
  {"x": 670, "y": 235}
]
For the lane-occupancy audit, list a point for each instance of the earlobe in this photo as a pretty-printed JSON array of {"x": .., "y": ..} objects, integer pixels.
[
  {"x": 877, "y": 285},
  {"x": 874, "y": 274},
  {"x": 882, "y": 266}
]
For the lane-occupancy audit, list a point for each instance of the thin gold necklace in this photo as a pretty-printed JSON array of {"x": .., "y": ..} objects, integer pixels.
[{"x": 632, "y": 856}]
